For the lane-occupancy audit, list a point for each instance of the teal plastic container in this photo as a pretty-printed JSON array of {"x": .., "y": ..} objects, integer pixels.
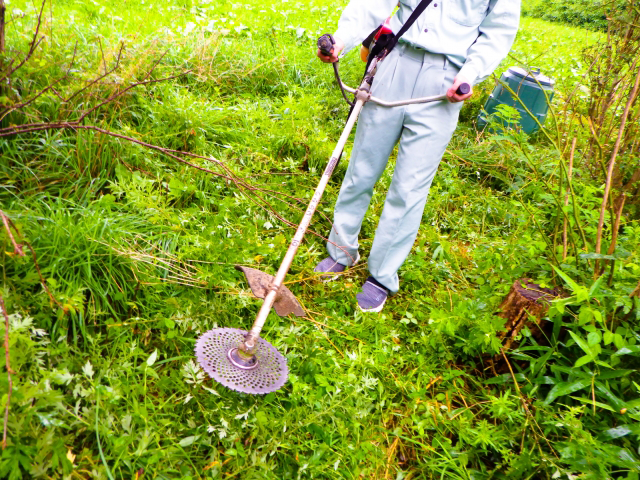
[{"x": 530, "y": 88}]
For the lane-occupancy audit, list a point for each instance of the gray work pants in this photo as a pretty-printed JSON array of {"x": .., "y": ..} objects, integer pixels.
[{"x": 423, "y": 131}]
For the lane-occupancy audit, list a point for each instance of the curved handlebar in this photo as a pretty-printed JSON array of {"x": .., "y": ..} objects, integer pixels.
[
  {"x": 463, "y": 89},
  {"x": 325, "y": 45}
]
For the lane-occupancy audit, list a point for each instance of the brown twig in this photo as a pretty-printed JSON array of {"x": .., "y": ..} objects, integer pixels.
[
  {"x": 614, "y": 238},
  {"x": 2, "y": 24},
  {"x": 17, "y": 248},
  {"x": 612, "y": 162},
  {"x": 133, "y": 85},
  {"x": 7, "y": 361},
  {"x": 566, "y": 199},
  {"x": 100, "y": 77},
  {"x": 616, "y": 226}
]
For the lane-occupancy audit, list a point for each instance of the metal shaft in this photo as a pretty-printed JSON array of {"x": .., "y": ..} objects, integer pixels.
[{"x": 254, "y": 333}]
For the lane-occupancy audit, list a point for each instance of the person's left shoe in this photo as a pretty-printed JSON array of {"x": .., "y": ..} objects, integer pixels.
[{"x": 373, "y": 296}]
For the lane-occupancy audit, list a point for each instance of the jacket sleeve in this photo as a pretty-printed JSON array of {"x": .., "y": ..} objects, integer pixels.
[
  {"x": 360, "y": 17},
  {"x": 497, "y": 33}
]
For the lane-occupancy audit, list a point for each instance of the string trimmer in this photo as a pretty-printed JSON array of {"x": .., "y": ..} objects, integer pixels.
[{"x": 241, "y": 360}]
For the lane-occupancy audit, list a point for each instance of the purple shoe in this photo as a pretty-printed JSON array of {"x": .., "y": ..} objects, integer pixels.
[
  {"x": 329, "y": 266},
  {"x": 373, "y": 296}
]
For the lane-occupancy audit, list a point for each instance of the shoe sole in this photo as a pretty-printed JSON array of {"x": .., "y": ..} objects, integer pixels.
[{"x": 377, "y": 309}]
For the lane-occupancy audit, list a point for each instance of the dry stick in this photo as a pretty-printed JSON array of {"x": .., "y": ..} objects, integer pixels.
[
  {"x": 600, "y": 160},
  {"x": 51, "y": 86},
  {"x": 2, "y": 23},
  {"x": 326, "y": 336},
  {"x": 566, "y": 199},
  {"x": 17, "y": 248},
  {"x": 97, "y": 79},
  {"x": 133, "y": 85},
  {"x": 8, "y": 225},
  {"x": 8, "y": 366},
  {"x": 614, "y": 238},
  {"x": 390, "y": 453},
  {"x": 607, "y": 187},
  {"x": 616, "y": 226}
]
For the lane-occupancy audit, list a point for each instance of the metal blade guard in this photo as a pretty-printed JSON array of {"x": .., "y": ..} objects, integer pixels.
[{"x": 285, "y": 304}]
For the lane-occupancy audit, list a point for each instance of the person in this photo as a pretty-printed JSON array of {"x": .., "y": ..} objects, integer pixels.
[{"x": 452, "y": 42}]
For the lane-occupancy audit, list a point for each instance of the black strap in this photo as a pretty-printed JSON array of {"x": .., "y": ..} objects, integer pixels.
[
  {"x": 422, "y": 6},
  {"x": 387, "y": 42}
]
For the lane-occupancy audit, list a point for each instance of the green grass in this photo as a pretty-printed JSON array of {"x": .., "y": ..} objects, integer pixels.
[{"x": 139, "y": 249}]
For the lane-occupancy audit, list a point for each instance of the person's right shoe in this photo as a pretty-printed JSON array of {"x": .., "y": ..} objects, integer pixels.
[{"x": 373, "y": 296}]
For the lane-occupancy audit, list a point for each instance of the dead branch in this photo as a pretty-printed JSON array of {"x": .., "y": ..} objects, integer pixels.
[
  {"x": 616, "y": 225},
  {"x": 133, "y": 85},
  {"x": 100, "y": 77},
  {"x": 3, "y": 10},
  {"x": 17, "y": 248},
  {"x": 566, "y": 199},
  {"x": 612, "y": 162}
]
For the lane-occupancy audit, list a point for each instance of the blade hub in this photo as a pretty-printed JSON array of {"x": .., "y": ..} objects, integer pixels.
[{"x": 242, "y": 360}]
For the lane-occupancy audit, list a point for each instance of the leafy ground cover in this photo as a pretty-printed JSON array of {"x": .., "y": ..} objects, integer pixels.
[{"x": 138, "y": 249}]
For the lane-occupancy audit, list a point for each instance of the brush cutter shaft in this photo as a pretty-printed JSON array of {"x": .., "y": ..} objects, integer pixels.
[{"x": 254, "y": 333}]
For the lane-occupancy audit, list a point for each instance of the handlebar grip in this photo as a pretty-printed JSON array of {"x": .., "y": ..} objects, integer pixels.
[
  {"x": 463, "y": 89},
  {"x": 326, "y": 43}
]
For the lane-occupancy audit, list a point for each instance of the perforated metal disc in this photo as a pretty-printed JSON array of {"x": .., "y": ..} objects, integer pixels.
[{"x": 212, "y": 351}]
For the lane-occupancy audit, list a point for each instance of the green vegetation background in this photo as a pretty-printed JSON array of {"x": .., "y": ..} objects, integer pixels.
[{"x": 139, "y": 252}]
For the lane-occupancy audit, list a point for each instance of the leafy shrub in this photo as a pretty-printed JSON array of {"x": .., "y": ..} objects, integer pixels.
[{"x": 582, "y": 13}]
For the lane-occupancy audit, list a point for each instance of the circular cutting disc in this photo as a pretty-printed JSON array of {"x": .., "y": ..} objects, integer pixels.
[{"x": 212, "y": 351}]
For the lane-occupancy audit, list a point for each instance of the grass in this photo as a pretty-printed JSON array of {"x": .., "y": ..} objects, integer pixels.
[{"x": 139, "y": 252}]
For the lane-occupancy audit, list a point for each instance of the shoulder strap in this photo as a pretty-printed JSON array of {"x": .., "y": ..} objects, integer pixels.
[{"x": 422, "y": 6}]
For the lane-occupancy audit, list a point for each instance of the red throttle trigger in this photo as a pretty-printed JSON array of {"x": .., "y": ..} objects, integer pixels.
[
  {"x": 325, "y": 44},
  {"x": 463, "y": 89}
]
